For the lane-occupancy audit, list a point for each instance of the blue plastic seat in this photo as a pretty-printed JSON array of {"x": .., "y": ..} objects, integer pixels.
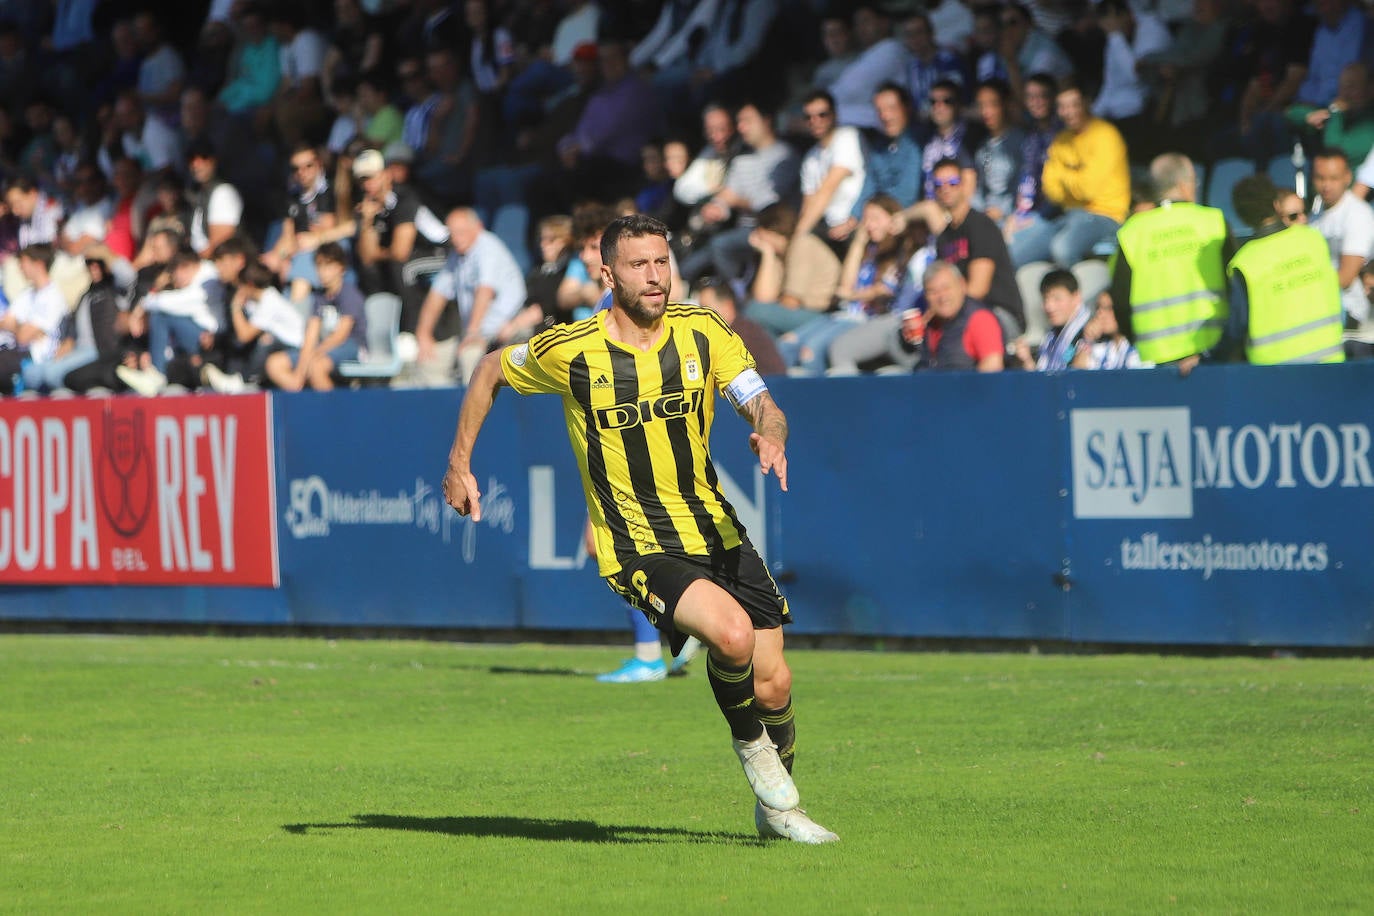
[{"x": 383, "y": 361}]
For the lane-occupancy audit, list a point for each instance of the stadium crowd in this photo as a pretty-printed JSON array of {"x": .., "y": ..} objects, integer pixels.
[{"x": 297, "y": 193}]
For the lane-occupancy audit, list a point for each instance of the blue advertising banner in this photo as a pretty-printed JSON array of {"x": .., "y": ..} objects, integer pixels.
[{"x": 1232, "y": 507}]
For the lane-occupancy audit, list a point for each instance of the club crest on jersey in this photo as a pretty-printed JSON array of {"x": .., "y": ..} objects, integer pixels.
[{"x": 692, "y": 367}]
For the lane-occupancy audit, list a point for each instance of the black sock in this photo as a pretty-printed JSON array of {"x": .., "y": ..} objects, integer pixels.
[
  {"x": 734, "y": 690},
  {"x": 782, "y": 729}
]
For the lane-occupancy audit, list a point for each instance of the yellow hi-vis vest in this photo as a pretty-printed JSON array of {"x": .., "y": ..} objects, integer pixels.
[
  {"x": 1295, "y": 298},
  {"x": 1178, "y": 279}
]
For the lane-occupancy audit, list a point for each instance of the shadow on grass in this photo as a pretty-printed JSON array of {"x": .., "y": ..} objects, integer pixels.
[{"x": 528, "y": 828}]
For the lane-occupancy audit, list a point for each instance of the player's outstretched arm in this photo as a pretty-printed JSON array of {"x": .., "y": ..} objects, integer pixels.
[
  {"x": 769, "y": 438},
  {"x": 460, "y": 486}
]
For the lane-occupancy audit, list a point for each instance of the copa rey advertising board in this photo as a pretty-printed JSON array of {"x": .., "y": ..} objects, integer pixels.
[{"x": 167, "y": 491}]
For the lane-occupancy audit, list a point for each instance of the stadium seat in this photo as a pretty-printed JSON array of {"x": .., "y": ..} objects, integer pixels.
[
  {"x": 383, "y": 361},
  {"x": 1028, "y": 279},
  {"x": 1284, "y": 174},
  {"x": 1225, "y": 174},
  {"x": 1093, "y": 277}
]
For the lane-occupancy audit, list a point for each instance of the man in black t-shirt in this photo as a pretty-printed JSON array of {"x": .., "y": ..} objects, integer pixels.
[
  {"x": 971, "y": 241},
  {"x": 309, "y": 220},
  {"x": 400, "y": 243}
]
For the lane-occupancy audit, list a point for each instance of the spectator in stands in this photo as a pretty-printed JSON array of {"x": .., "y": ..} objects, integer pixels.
[
  {"x": 1285, "y": 295},
  {"x": 997, "y": 160},
  {"x": 37, "y": 220},
  {"x": 1040, "y": 128},
  {"x": 176, "y": 314},
  {"x": 960, "y": 333},
  {"x": 1180, "y": 76},
  {"x": 832, "y": 174},
  {"x": 763, "y": 174},
  {"x": 1341, "y": 38},
  {"x": 30, "y": 327},
  {"x": 1347, "y": 224},
  {"x": 1270, "y": 66},
  {"x": 969, "y": 239},
  {"x": 542, "y": 309},
  {"x": 950, "y": 136},
  {"x": 1348, "y": 122},
  {"x": 719, "y": 296},
  {"x": 1027, "y": 50},
  {"x": 881, "y": 58},
  {"x": 218, "y": 207},
  {"x": 869, "y": 281},
  {"x": 1105, "y": 346},
  {"x": 256, "y": 64},
  {"x": 145, "y": 138},
  {"x": 382, "y": 122},
  {"x": 952, "y": 22},
  {"x": 1124, "y": 96},
  {"x": 89, "y": 333},
  {"x": 223, "y": 359},
  {"x": 837, "y": 41},
  {"x": 797, "y": 274},
  {"x": 445, "y": 162},
  {"x": 892, "y": 154},
  {"x": 126, "y": 227},
  {"x": 1086, "y": 173},
  {"x": 705, "y": 175},
  {"x": 1169, "y": 276},
  {"x": 89, "y": 221},
  {"x": 418, "y": 100},
  {"x": 619, "y": 118},
  {"x": 355, "y": 45},
  {"x": 310, "y": 220},
  {"x": 479, "y": 289},
  {"x": 161, "y": 70},
  {"x": 264, "y": 319},
  {"x": 335, "y": 332},
  {"x": 929, "y": 65},
  {"x": 716, "y": 51},
  {"x": 398, "y": 241},
  {"x": 1067, "y": 316},
  {"x": 983, "y": 60},
  {"x": 582, "y": 290},
  {"x": 298, "y": 105}
]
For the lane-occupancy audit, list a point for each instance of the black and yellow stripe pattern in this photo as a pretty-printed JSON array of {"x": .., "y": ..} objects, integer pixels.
[{"x": 640, "y": 423}]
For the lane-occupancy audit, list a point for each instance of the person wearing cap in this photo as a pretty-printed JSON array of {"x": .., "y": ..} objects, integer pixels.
[
  {"x": 398, "y": 240},
  {"x": 218, "y": 206}
]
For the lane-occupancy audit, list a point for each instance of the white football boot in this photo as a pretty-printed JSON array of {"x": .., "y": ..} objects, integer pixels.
[
  {"x": 791, "y": 825},
  {"x": 769, "y": 779}
]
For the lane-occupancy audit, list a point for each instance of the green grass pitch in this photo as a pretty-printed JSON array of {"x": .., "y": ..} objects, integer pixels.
[{"x": 199, "y": 774}]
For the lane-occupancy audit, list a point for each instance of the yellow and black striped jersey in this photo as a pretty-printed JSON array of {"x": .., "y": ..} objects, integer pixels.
[{"x": 639, "y": 423}]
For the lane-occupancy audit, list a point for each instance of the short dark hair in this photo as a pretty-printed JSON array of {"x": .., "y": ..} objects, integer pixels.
[
  {"x": 39, "y": 251},
  {"x": 183, "y": 258},
  {"x": 778, "y": 217},
  {"x": 819, "y": 95},
  {"x": 946, "y": 163},
  {"x": 236, "y": 244},
  {"x": 889, "y": 86},
  {"x": 1253, "y": 198},
  {"x": 333, "y": 252},
  {"x": 720, "y": 286},
  {"x": 1332, "y": 152},
  {"x": 1059, "y": 278},
  {"x": 255, "y": 275},
  {"x": 998, "y": 86},
  {"x": 950, "y": 85},
  {"x": 634, "y": 226},
  {"x": 1045, "y": 80}
]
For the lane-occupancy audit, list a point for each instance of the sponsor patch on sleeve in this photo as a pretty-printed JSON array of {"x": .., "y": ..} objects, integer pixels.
[{"x": 745, "y": 387}]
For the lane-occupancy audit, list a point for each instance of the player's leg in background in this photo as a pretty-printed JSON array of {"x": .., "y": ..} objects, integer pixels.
[{"x": 647, "y": 662}]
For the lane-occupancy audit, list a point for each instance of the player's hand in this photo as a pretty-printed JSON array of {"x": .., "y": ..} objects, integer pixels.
[
  {"x": 460, "y": 489},
  {"x": 772, "y": 456}
]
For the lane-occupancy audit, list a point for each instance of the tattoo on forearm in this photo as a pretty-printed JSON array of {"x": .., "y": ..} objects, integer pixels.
[{"x": 766, "y": 417}]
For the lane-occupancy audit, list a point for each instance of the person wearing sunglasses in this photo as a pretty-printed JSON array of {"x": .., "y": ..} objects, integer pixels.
[{"x": 1285, "y": 294}]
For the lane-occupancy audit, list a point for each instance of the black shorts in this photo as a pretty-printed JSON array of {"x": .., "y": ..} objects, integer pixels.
[{"x": 654, "y": 583}]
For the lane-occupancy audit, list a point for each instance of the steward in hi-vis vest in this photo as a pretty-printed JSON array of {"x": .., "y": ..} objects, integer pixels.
[
  {"x": 1169, "y": 274},
  {"x": 1293, "y": 296}
]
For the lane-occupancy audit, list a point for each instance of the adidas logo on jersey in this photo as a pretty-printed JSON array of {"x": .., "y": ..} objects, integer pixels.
[{"x": 601, "y": 382}]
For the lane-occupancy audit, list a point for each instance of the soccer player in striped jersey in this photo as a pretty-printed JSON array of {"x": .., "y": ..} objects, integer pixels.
[{"x": 638, "y": 385}]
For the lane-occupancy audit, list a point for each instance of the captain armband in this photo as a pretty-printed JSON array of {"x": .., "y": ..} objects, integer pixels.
[{"x": 745, "y": 387}]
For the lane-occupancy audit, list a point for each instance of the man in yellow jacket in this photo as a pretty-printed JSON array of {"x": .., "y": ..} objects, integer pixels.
[
  {"x": 1169, "y": 274},
  {"x": 1087, "y": 174}
]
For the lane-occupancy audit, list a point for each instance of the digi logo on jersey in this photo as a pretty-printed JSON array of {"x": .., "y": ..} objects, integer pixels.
[
  {"x": 663, "y": 407},
  {"x": 1147, "y": 462}
]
